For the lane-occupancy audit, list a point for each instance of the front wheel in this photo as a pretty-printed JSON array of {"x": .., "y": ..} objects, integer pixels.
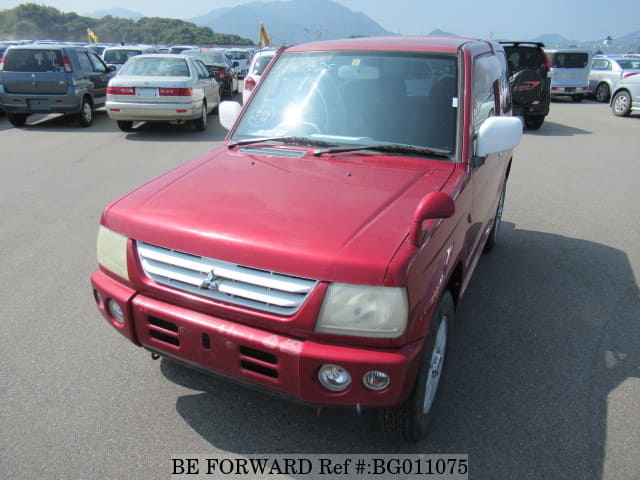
[
  {"x": 125, "y": 125},
  {"x": 533, "y": 122},
  {"x": 17, "y": 119},
  {"x": 621, "y": 104},
  {"x": 602, "y": 92},
  {"x": 414, "y": 418}
]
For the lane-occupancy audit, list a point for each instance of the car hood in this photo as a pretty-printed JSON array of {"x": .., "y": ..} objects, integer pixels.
[{"x": 334, "y": 218}]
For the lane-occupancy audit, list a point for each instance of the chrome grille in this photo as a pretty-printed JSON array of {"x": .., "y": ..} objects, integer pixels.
[{"x": 225, "y": 281}]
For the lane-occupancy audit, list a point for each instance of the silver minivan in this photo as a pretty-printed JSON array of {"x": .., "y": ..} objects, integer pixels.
[{"x": 569, "y": 72}]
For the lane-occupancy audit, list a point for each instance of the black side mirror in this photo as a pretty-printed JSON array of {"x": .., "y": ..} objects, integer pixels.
[
  {"x": 111, "y": 68},
  {"x": 235, "y": 64}
]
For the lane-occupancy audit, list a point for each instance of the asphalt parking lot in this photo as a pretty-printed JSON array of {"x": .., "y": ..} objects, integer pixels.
[{"x": 544, "y": 381}]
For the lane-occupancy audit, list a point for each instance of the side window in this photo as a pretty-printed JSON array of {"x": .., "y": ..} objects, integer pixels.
[
  {"x": 486, "y": 77},
  {"x": 98, "y": 65},
  {"x": 85, "y": 63},
  {"x": 601, "y": 65},
  {"x": 200, "y": 68}
]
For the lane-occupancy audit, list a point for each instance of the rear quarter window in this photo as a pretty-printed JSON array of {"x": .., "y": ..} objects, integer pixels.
[{"x": 32, "y": 60}]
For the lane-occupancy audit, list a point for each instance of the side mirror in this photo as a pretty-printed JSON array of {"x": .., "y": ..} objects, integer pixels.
[
  {"x": 228, "y": 112},
  {"x": 498, "y": 134},
  {"x": 235, "y": 64},
  {"x": 111, "y": 68},
  {"x": 434, "y": 205}
]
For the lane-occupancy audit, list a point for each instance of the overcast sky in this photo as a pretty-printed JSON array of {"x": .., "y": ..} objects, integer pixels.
[{"x": 580, "y": 20}]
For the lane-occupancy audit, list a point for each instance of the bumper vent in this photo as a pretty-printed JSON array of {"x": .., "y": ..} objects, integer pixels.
[
  {"x": 262, "y": 363},
  {"x": 163, "y": 331},
  {"x": 224, "y": 281}
]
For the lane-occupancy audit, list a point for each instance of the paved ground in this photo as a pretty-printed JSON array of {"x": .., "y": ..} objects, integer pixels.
[{"x": 544, "y": 381}]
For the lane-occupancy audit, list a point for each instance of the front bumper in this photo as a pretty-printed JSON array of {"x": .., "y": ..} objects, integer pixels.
[
  {"x": 163, "y": 112},
  {"x": 282, "y": 364}
]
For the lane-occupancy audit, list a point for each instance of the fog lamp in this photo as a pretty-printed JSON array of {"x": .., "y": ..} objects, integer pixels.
[
  {"x": 376, "y": 380},
  {"x": 116, "y": 311},
  {"x": 334, "y": 378}
]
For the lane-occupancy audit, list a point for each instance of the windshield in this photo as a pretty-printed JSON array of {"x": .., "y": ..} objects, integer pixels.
[
  {"x": 237, "y": 54},
  {"x": 156, "y": 67},
  {"x": 630, "y": 64},
  {"x": 357, "y": 98},
  {"x": 21, "y": 60},
  {"x": 569, "y": 60},
  {"x": 208, "y": 58},
  {"x": 261, "y": 63},
  {"x": 119, "y": 57}
]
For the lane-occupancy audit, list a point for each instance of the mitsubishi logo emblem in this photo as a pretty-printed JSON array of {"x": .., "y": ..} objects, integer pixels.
[{"x": 211, "y": 282}]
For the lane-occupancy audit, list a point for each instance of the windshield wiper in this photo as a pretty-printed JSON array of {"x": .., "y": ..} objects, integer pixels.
[
  {"x": 309, "y": 142},
  {"x": 385, "y": 147}
]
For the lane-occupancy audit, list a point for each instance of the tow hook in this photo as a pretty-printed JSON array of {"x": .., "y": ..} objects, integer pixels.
[{"x": 154, "y": 356}]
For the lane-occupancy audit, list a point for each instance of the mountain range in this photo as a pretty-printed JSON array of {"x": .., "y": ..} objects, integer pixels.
[
  {"x": 293, "y": 21},
  {"x": 297, "y": 21}
]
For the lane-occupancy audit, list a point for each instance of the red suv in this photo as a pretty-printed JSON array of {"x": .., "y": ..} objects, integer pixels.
[{"x": 321, "y": 251}]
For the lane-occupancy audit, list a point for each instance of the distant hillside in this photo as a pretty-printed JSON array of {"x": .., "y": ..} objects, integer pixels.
[
  {"x": 117, "y": 13},
  {"x": 442, "y": 33},
  {"x": 35, "y": 22},
  {"x": 552, "y": 40},
  {"x": 294, "y": 21}
]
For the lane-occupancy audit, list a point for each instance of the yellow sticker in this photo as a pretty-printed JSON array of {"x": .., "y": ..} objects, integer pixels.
[{"x": 355, "y": 62}]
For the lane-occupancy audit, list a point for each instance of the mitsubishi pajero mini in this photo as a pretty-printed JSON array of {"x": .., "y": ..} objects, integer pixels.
[{"x": 321, "y": 250}]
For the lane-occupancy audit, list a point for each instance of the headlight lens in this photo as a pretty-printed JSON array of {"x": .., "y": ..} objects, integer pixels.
[
  {"x": 363, "y": 311},
  {"x": 112, "y": 252}
]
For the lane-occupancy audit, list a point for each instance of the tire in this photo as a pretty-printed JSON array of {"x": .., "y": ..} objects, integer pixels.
[
  {"x": 17, "y": 119},
  {"x": 125, "y": 125},
  {"x": 533, "y": 122},
  {"x": 85, "y": 117},
  {"x": 201, "y": 123},
  {"x": 495, "y": 229},
  {"x": 576, "y": 98},
  {"x": 621, "y": 104},
  {"x": 526, "y": 86},
  {"x": 603, "y": 94},
  {"x": 414, "y": 418}
]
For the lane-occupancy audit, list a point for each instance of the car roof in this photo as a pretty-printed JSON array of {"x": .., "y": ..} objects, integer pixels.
[
  {"x": 45, "y": 46},
  {"x": 165, "y": 55},
  {"x": 395, "y": 43}
]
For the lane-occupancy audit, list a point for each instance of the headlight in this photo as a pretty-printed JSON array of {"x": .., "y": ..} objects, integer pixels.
[
  {"x": 363, "y": 311},
  {"x": 112, "y": 252}
]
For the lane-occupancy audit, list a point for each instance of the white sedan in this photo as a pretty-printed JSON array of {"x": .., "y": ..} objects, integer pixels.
[{"x": 162, "y": 88}]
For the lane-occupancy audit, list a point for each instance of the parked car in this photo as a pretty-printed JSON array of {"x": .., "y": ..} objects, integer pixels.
[
  {"x": 51, "y": 78},
  {"x": 606, "y": 73},
  {"x": 98, "y": 48},
  {"x": 260, "y": 61},
  {"x": 118, "y": 56},
  {"x": 162, "y": 87},
  {"x": 570, "y": 73},
  {"x": 181, "y": 48},
  {"x": 217, "y": 62},
  {"x": 242, "y": 58},
  {"x": 321, "y": 251},
  {"x": 530, "y": 79},
  {"x": 626, "y": 96}
]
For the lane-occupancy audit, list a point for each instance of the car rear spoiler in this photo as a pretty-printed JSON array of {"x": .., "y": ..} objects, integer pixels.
[{"x": 517, "y": 43}]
